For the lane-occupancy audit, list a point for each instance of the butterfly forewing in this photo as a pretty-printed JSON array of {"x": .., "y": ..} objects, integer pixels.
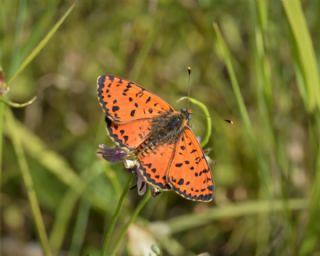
[
  {"x": 130, "y": 134},
  {"x": 125, "y": 101}
]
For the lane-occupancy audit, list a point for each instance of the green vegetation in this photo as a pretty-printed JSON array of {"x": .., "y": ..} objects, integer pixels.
[{"x": 254, "y": 62}]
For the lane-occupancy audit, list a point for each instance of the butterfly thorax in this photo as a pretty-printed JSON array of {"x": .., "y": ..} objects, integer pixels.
[{"x": 165, "y": 129}]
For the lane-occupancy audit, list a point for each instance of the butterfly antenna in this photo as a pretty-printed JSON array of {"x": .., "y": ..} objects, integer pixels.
[
  {"x": 189, "y": 85},
  {"x": 229, "y": 121}
]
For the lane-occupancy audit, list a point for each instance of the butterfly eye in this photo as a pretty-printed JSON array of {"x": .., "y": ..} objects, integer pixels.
[{"x": 186, "y": 112}]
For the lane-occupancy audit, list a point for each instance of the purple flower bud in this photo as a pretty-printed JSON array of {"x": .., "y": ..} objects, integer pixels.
[
  {"x": 112, "y": 154},
  {"x": 119, "y": 154}
]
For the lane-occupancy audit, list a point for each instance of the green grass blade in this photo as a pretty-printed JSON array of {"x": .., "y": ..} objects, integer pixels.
[
  {"x": 80, "y": 228},
  {"x": 37, "y": 149},
  {"x": 62, "y": 219},
  {"x": 183, "y": 223},
  {"x": 3, "y": 89},
  {"x": 2, "y": 111},
  {"x": 21, "y": 15},
  {"x": 54, "y": 163},
  {"x": 225, "y": 55},
  {"x": 264, "y": 93},
  {"x": 311, "y": 237},
  {"x": 68, "y": 203},
  {"x": 306, "y": 57},
  {"x": 14, "y": 135},
  {"x": 42, "y": 44}
]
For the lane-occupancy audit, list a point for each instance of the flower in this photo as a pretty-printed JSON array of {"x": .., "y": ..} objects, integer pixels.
[
  {"x": 118, "y": 154},
  {"x": 112, "y": 154}
]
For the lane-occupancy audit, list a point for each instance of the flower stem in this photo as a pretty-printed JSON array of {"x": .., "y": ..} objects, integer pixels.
[
  {"x": 115, "y": 217},
  {"x": 131, "y": 220}
]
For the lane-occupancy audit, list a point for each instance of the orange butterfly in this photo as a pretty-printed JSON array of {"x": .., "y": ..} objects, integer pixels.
[{"x": 168, "y": 154}]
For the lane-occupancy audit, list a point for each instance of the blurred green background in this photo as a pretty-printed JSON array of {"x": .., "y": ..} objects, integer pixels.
[{"x": 254, "y": 62}]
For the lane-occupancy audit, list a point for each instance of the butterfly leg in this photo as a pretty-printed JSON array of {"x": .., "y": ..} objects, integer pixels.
[
  {"x": 141, "y": 184},
  {"x": 155, "y": 192}
]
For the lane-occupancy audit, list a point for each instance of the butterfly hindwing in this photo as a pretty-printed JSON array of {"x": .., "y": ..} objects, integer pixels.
[
  {"x": 189, "y": 173},
  {"x": 155, "y": 164},
  {"x": 125, "y": 101}
]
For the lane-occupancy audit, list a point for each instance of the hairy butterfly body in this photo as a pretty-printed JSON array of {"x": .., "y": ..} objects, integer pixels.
[{"x": 168, "y": 153}]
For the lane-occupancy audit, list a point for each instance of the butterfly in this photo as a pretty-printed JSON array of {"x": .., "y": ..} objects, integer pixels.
[{"x": 167, "y": 151}]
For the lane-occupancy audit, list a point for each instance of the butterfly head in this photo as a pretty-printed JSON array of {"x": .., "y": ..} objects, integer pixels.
[{"x": 186, "y": 112}]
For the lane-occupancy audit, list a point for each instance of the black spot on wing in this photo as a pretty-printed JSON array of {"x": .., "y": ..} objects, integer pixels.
[
  {"x": 115, "y": 108},
  {"x": 205, "y": 197},
  {"x": 111, "y": 128},
  {"x": 181, "y": 182},
  {"x": 193, "y": 151},
  {"x": 210, "y": 187},
  {"x": 162, "y": 185}
]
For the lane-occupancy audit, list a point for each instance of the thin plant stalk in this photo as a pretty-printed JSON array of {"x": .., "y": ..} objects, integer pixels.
[
  {"x": 206, "y": 113},
  {"x": 27, "y": 179},
  {"x": 115, "y": 217},
  {"x": 42, "y": 44},
  {"x": 235, "y": 210},
  {"x": 131, "y": 220},
  {"x": 2, "y": 110},
  {"x": 18, "y": 105}
]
